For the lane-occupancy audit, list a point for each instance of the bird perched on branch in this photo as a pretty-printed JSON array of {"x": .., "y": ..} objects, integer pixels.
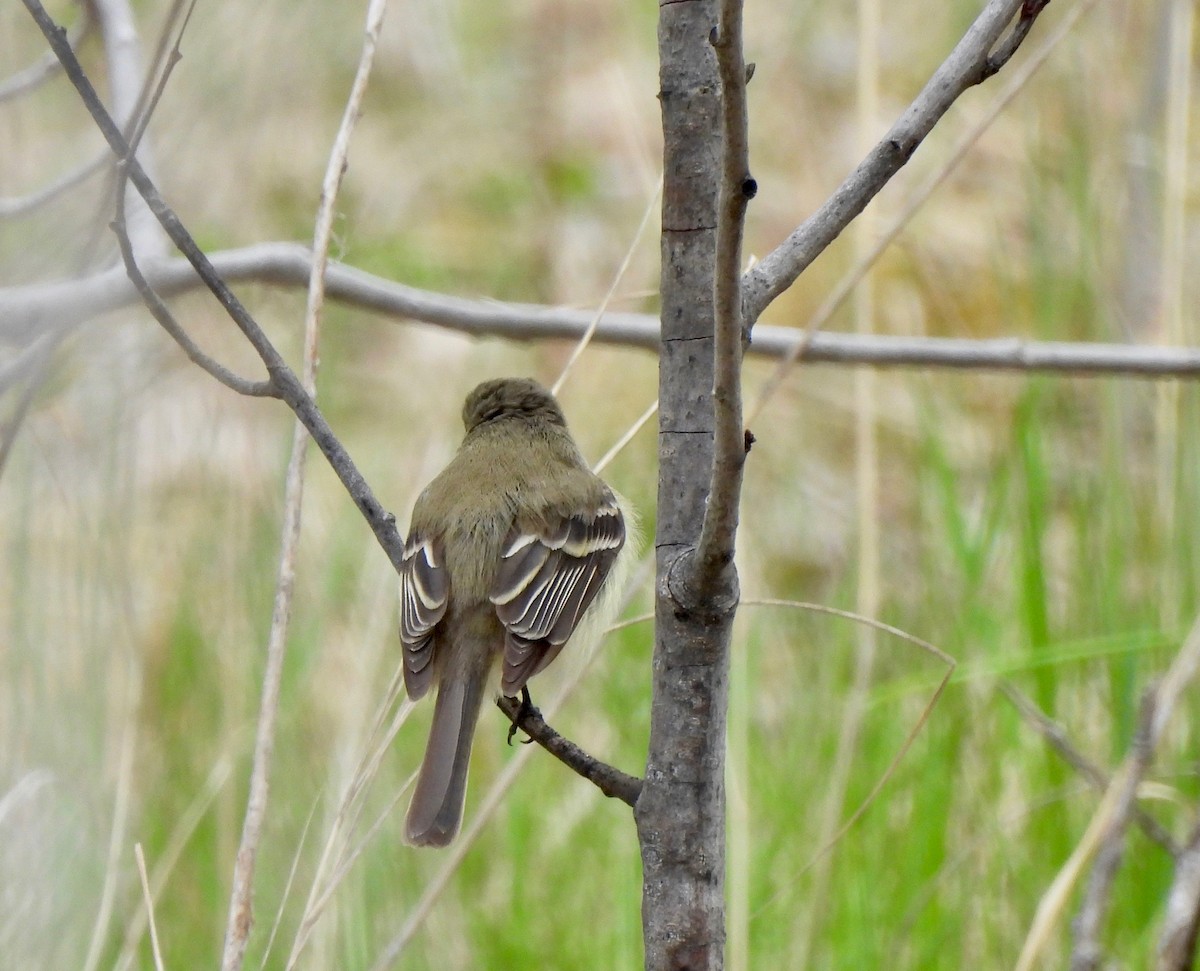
[{"x": 507, "y": 549}]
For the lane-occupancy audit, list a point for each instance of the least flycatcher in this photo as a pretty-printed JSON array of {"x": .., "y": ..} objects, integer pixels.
[{"x": 507, "y": 549}]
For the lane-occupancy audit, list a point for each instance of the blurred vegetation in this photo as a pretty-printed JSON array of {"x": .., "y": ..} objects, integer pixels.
[{"x": 1034, "y": 528}]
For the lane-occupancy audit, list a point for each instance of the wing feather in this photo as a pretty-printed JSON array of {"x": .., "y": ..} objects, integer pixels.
[
  {"x": 546, "y": 581},
  {"x": 424, "y": 590}
]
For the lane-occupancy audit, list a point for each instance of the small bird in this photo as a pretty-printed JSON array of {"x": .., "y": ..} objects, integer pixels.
[{"x": 507, "y": 548}]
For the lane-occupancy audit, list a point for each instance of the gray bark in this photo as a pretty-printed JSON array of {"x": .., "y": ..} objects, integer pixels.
[{"x": 681, "y": 811}]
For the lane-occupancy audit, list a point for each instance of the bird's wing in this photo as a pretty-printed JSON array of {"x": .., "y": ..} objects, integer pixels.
[
  {"x": 546, "y": 580},
  {"x": 424, "y": 587}
]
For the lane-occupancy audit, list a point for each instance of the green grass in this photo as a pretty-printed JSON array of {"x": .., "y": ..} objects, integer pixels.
[{"x": 511, "y": 153}]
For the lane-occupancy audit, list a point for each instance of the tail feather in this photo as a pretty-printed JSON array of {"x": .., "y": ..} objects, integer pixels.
[{"x": 437, "y": 803}]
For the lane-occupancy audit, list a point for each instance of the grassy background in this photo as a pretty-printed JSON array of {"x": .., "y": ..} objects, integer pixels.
[{"x": 1040, "y": 530}]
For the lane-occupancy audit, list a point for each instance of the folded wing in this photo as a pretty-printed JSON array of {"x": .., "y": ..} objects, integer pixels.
[
  {"x": 424, "y": 586},
  {"x": 546, "y": 580}
]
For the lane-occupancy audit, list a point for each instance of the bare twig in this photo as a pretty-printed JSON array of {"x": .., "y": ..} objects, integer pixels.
[
  {"x": 150, "y": 298},
  {"x": 712, "y": 573},
  {"x": 1182, "y": 670},
  {"x": 1086, "y": 953},
  {"x": 491, "y": 800},
  {"x": 21, "y": 205},
  {"x": 237, "y": 930},
  {"x": 1181, "y": 925},
  {"x": 28, "y": 311},
  {"x": 1097, "y": 778},
  {"x": 162, "y": 313},
  {"x": 967, "y": 65},
  {"x": 607, "y": 778},
  {"x": 32, "y": 367},
  {"x": 1008, "y": 46},
  {"x": 382, "y": 523},
  {"x": 46, "y": 66},
  {"x": 127, "y": 84},
  {"x": 914, "y": 201}
]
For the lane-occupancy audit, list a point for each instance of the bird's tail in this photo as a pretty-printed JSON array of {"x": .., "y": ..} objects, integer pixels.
[{"x": 437, "y": 803}]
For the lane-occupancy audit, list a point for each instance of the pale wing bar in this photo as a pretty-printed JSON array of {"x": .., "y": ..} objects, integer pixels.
[
  {"x": 545, "y": 583},
  {"x": 424, "y": 587}
]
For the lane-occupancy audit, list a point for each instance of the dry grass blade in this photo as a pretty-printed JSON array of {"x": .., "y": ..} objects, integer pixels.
[
  {"x": 493, "y": 797},
  {"x": 915, "y": 201},
  {"x": 346, "y": 820},
  {"x": 1180, "y": 18},
  {"x": 141, "y": 865},
  {"x": 176, "y": 842},
  {"x": 238, "y": 927},
  {"x": 888, "y": 772},
  {"x": 586, "y": 338},
  {"x": 120, "y": 820},
  {"x": 290, "y": 882},
  {"x": 625, "y": 439},
  {"x": 1182, "y": 670},
  {"x": 866, "y": 487}
]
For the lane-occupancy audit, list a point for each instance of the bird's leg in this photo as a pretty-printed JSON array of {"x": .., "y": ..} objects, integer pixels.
[{"x": 524, "y": 711}]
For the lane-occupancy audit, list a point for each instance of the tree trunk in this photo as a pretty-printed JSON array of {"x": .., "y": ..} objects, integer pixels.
[{"x": 681, "y": 812}]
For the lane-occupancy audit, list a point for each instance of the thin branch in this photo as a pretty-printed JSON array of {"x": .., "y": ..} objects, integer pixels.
[
  {"x": 237, "y": 931},
  {"x": 162, "y": 313},
  {"x": 22, "y": 205},
  {"x": 1008, "y": 46},
  {"x": 33, "y": 367},
  {"x": 30, "y": 310},
  {"x": 713, "y": 578},
  {"x": 1181, "y": 925},
  {"x": 967, "y": 65},
  {"x": 127, "y": 84},
  {"x": 1183, "y": 669},
  {"x": 607, "y": 778},
  {"x": 153, "y": 302},
  {"x": 914, "y": 202},
  {"x": 47, "y": 65},
  {"x": 149, "y": 95},
  {"x": 1097, "y": 778},
  {"x": 1087, "y": 954},
  {"x": 492, "y": 798},
  {"x": 382, "y": 523}
]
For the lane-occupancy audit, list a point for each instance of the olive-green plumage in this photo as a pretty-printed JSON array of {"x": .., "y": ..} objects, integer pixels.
[{"x": 507, "y": 548}]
